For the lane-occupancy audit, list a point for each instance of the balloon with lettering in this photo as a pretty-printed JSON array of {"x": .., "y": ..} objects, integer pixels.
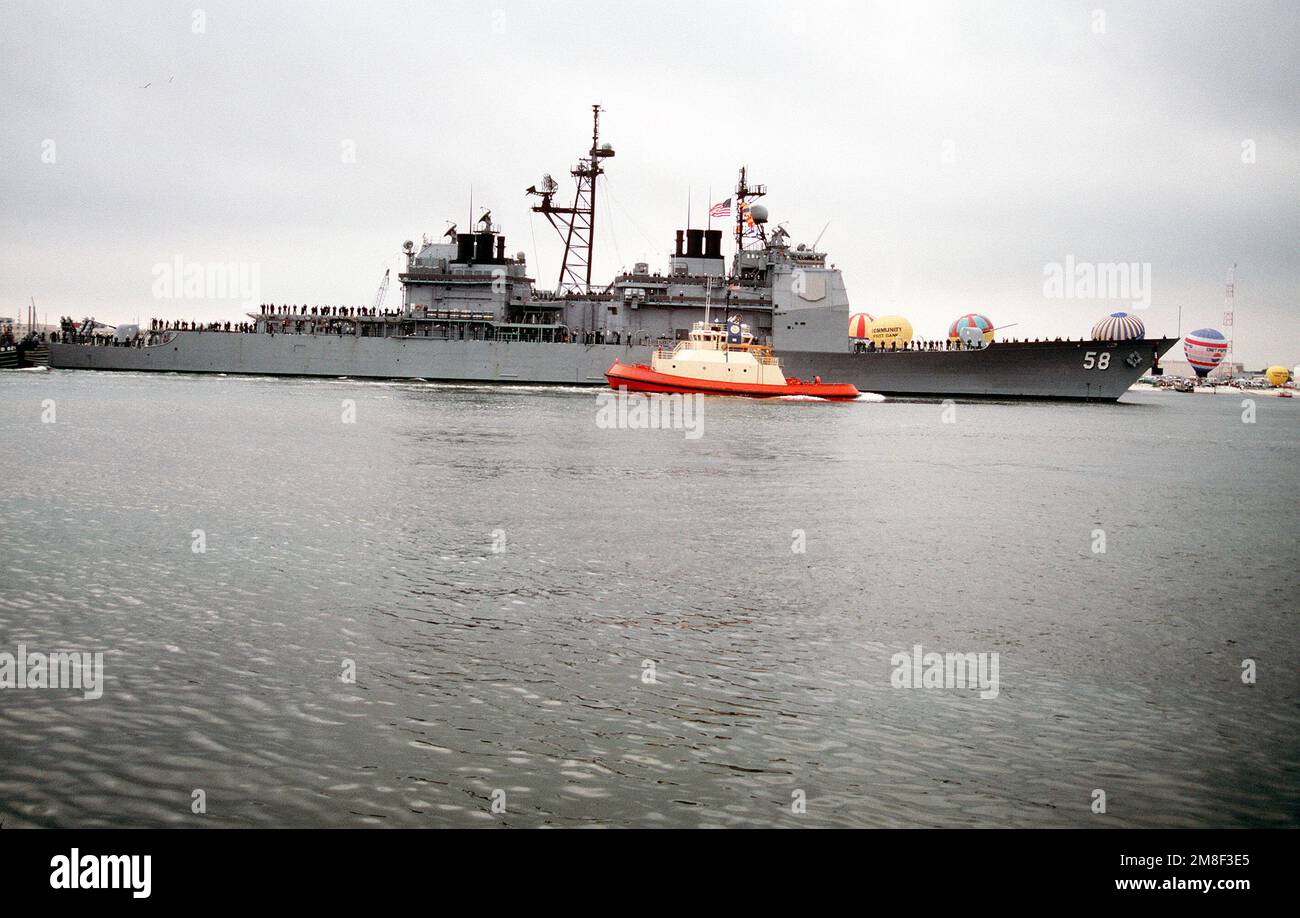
[
  {"x": 890, "y": 331},
  {"x": 1205, "y": 348}
]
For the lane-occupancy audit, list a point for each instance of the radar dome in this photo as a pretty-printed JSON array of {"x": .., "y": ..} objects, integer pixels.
[
  {"x": 1119, "y": 326},
  {"x": 758, "y": 213},
  {"x": 971, "y": 320},
  {"x": 1277, "y": 376},
  {"x": 972, "y": 336}
]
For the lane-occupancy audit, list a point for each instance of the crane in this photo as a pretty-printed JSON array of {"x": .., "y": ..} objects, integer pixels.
[{"x": 382, "y": 292}]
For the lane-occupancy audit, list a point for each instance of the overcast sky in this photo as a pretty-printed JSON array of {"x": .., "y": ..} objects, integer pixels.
[{"x": 956, "y": 149}]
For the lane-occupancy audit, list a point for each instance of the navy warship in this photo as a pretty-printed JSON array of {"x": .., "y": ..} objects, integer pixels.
[{"x": 471, "y": 312}]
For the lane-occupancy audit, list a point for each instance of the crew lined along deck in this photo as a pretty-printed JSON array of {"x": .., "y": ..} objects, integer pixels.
[{"x": 360, "y": 321}]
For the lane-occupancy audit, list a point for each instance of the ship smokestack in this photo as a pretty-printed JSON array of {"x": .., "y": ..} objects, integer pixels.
[
  {"x": 713, "y": 244},
  {"x": 680, "y": 236},
  {"x": 464, "y": 248},
  {"x": 483, "y": 247},
  {"x": 501, "y": 248},
  {"x": 695, "y": 243}
]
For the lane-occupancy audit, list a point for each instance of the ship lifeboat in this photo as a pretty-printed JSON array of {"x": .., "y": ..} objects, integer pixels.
[{"x": 720, "y": 359}]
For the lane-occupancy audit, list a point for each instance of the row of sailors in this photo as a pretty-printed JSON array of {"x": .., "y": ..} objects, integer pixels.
[
  {"x": 948, "y": 345},
  {"x": 167, "y": 325},
  {"x": 270, "y": 309},
  {"x": 871, "y": 346}
]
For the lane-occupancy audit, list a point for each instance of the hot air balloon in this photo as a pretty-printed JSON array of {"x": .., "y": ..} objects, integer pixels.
[
  {"x": 1119, "y": 326},
  {"x": 1205, "y": 348},
  {"x": 1277, "y": 376},
  {"x": 860, "y": 324},
  {"x": 971, "y": 320},
  {"x": 890, "y": 330}
]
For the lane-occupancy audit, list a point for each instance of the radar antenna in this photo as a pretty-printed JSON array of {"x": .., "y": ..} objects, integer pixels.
[
  {"x": 748, "y": 228},
  {"x": 577, "y": 224}
]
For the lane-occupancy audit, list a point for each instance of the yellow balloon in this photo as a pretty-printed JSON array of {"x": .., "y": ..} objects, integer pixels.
[
  {"x": 1277, "y": 375},
  {"x": 888, "y": 330}
]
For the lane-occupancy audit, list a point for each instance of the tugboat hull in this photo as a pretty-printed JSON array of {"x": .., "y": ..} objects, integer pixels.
[{"x": 641, "y": 378}]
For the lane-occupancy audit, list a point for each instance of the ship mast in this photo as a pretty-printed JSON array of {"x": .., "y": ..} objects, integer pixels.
[
  {"x": 577, "y": 224},
  {"x": 746, "y": 227}
]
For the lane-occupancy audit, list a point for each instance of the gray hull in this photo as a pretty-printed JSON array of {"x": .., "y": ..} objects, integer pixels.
[
  {"x": 387, "y": 358},
  {"x": 1059, "y": 369}
]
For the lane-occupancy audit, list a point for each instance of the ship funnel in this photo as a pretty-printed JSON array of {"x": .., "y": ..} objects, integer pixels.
[
  {"x": 695, "y": 243},
  {"x": 681, "y": 236},
  {"x": 713, "y": 244},
  {"x": 464, "y": 247}
]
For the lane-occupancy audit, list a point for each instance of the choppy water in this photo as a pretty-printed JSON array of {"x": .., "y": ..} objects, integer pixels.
[{"x": 521, "y": 671}]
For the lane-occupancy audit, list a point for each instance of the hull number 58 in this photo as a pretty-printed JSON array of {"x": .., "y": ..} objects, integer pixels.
[{"x": 1093, "y": 359}]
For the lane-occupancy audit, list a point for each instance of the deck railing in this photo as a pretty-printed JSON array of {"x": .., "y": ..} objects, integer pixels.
[{"x": 761, "y": 353}]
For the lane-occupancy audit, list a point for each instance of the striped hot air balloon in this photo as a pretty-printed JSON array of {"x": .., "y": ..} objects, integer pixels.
[
  {"x": 1119, "y": 326},
  {"x": 1205, "y": 348},
  {"x": 971, "y": 320},
  {"x": 860, "y": 324}
]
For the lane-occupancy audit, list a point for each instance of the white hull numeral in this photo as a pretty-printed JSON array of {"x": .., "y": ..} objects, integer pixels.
[{"x": 1093, "y": 359}]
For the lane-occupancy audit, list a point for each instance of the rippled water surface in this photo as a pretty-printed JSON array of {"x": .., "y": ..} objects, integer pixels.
[{"x": 524, "y": 675}]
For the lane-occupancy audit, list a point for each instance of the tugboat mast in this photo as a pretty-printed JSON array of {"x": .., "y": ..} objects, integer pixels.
[{"x": 577, "y": 224}]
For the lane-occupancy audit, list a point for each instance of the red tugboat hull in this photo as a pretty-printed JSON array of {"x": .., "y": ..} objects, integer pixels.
[{"x": 640, "y": 378}]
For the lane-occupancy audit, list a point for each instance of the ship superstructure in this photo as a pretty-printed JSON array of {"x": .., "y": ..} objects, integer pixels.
[{"x": 472, "y": 312}]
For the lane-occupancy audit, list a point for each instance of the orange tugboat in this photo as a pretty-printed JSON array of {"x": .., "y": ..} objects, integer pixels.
[{"x": 720, "y": 359}]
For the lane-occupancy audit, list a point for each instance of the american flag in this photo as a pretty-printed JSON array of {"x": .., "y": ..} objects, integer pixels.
[{"x": 721, "y": 210}]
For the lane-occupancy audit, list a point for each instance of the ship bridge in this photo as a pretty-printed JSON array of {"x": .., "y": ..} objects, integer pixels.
[{"x": 471, "y": 273}]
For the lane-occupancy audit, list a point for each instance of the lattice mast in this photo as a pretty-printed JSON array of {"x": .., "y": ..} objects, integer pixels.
[
  {"x": 577, "y": 224},
  {"x": 749, "y": 232},
  {"x": 1229, "y": 311}
]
